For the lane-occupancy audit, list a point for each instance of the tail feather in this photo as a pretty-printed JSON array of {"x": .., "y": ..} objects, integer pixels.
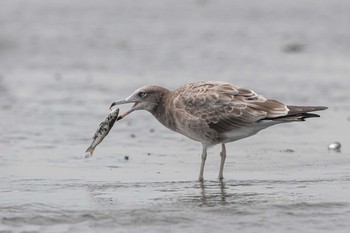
[
  {"x": 297, "y": 117},
  {"x": 299, "y": 113}
]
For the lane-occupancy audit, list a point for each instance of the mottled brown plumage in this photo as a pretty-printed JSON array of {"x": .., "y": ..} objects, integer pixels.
[{"x": 214, "y": 112}]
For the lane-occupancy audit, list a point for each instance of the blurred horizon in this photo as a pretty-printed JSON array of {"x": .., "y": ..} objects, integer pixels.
[{"x": 171, "y": 39}]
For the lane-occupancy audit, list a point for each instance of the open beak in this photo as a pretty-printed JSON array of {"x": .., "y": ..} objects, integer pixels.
[
  {"x": 125, "y": 101},
  {"x": 119, "y": 102}
]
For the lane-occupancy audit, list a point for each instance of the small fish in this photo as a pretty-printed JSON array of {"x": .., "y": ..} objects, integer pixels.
[{"x": 105, "y": 126}]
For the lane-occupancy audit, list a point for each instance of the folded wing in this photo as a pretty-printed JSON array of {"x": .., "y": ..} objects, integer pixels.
[{"x": 226, "y": 107}]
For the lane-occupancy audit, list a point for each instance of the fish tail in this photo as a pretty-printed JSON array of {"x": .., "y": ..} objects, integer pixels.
[{"x": 88, "y": 152}]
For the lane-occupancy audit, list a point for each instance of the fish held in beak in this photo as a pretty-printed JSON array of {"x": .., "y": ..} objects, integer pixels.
[{"x": 125, "y": 101}]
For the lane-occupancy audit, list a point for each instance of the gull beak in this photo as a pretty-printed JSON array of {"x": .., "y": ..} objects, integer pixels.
[
  {"x": 119, "y": 102},
  {"x": 128, "y": 100}
]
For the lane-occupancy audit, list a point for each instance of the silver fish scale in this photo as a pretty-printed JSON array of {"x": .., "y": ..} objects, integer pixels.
[{"x": 104, "y": 128}]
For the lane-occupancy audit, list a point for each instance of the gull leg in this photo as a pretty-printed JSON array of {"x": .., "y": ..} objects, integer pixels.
[
  {"x": 222, "y": 162},
  {"x": 204, "y": 157}
]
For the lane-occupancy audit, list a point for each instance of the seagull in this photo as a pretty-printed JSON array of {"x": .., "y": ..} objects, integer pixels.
[{"x": 214, "y": 112}]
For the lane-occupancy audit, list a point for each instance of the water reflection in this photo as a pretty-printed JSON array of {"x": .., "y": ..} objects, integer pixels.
[
  {"x": 185, "y": 194},
  {"x": 213, "y": 194},
  {"x": 224, "y": 193}
]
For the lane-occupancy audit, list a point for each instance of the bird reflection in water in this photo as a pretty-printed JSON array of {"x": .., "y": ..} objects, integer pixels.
[{"x": 213, "y": 193}]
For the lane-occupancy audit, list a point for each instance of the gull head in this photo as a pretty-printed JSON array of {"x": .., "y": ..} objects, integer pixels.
[{"x": 145, "y": 98}]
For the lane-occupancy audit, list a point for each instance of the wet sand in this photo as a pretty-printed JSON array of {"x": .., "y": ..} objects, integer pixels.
[{"x": 63, "y": 63}]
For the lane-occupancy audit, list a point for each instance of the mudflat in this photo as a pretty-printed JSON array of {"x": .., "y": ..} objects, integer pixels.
[{"x": 62, "y": 63}]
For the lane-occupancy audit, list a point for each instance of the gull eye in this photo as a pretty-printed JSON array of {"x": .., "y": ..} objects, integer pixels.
[{"x": 142, "y": 94}]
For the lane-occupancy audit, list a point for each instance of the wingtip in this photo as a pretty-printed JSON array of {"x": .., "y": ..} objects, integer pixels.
[
  {"x": 319, "y": 108},
  {"x": 304, "y": 109}
]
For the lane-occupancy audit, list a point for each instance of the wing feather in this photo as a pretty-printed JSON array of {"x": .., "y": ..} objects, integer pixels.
[{"x": 225, "y": 107}]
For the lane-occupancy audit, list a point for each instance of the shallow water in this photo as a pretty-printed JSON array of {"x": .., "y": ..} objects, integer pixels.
[{"x": 62, "y": 63}]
